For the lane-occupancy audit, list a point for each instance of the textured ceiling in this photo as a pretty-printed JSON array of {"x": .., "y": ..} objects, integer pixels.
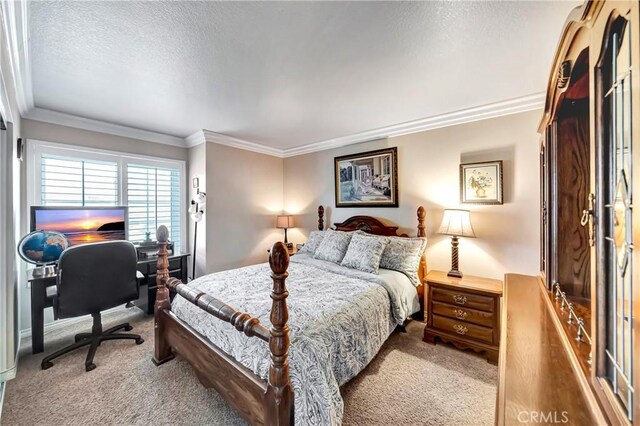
[{"x": 286, "y": 74}]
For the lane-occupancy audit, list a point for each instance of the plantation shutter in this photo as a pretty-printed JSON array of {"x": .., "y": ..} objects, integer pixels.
[
  {"x": 68, "y": 181},
  {"x": 153, "y": 197}
]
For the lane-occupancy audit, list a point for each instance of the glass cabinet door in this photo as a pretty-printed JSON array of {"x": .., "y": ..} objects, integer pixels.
[{"x": 616, "y": 182}]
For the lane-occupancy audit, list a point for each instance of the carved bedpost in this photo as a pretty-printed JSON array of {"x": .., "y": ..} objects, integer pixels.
[
  {"x": 320, "y": 218},
  {"x": 422, "y": 268},
  {"x": 162, "y": 351},
  {"x": 421, "y": 215},
  {"x": 279, "y": 401}
]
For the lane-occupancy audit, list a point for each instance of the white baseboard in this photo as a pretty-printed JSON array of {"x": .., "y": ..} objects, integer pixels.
[{"x": 60, "y": 324}]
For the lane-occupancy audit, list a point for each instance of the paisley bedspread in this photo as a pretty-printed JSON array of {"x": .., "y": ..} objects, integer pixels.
[{"x": 338, "y": 318}]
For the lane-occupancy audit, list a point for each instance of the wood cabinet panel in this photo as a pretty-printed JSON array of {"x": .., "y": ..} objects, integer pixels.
[{"x": 535, "y": 372}]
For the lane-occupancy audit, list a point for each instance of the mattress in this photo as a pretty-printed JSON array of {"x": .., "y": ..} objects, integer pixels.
[{"x": 338, "y": 320}]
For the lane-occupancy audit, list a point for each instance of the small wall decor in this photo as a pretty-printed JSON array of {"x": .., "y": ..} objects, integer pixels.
[
  {"x": 481, "y": 183},
  {"x": 367, "y": 179},
  {"x": 20, "y": 149}
]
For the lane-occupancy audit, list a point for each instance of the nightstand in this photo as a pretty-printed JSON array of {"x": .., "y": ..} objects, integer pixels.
[{"x": 464, "y": 311}]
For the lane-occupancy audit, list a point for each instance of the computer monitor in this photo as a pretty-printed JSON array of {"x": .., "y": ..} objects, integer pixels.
[{"x": 82, "y": 225}]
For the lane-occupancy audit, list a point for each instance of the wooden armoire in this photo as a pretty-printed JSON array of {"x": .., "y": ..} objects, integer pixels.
[{"x": 590, "y": 175}]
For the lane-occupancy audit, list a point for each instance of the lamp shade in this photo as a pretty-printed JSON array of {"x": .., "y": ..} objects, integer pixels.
[
  {"x": 201, "y": 199},
  {"x": 284, "y": 222},
  {"x": 456, "y": 223}
]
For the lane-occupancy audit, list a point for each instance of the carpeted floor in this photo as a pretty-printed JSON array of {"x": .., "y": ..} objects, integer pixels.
[{"x": 408, "y": 383}]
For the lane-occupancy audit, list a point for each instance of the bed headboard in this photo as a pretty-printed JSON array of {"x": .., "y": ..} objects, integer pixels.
[
  {"x": 368, "y": 224},
  {"x": 374, "y": 226}
]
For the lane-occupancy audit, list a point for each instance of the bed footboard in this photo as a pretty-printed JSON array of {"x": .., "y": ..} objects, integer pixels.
[{"x": 267, "y": 402}]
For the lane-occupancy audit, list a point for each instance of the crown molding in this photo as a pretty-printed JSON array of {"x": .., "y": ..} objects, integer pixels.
[
  {"x": 69, "y": 120},
  {"x": 468, "y": 115},
  {"x": 204, "y": 135},
  {"x": 15, "y": 16},
  {"x": 226, "y": 140},
  {"x": 194, "y": 139}
]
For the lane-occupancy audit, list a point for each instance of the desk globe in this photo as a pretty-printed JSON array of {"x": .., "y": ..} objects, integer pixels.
[{"x": 42, "y": 248}]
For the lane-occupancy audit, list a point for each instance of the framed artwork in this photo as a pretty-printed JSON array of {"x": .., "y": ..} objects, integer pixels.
[
  {"x": 481, "y": 183},
  {"x": 367, "y": 179}
]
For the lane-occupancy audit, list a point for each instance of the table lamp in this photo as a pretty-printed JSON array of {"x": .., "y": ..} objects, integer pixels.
[
  {"x": 456, "y": 223},
  {"x": 285, "y": 222}
]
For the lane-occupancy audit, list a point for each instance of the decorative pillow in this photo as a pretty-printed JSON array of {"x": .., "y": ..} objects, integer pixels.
[
  {"x": 403, "y": 255},
  {"x": 364, "y": 253},
  {"x": 314, "y": 240},
  {"x": 334, "y": 246}
]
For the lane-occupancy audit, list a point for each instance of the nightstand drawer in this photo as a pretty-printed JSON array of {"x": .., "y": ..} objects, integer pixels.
[
  {"x": 463, "y": 329},
  {"x": 463, "y": 313},
  {"x": 460, "y": 298}
]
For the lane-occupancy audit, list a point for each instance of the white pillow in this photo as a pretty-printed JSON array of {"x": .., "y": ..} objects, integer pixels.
[
  {"x": 314, "y": 240},
  {"x": 403, "y": 255},
  {"x": 364, "y": 253},
  {"x": 333, "y": 246}
]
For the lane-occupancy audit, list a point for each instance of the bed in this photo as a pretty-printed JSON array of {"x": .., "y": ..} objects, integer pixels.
[{"x": 322, "y": 334}]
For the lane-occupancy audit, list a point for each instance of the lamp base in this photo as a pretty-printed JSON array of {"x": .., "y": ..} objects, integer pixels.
[{"x": 454, "y": 273}]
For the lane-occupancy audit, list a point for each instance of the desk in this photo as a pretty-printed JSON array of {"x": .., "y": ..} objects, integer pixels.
[{"x": 146, "y": 301}]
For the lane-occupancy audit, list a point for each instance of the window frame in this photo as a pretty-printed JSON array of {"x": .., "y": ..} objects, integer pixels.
[{"x": 36, "y": 148}]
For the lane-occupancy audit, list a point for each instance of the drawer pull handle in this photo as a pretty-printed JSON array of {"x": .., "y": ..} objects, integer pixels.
[
  {"x": 460, "y": 329},
  {"x": 460, "y": 299},
  {"x": 460, "y": 314}
]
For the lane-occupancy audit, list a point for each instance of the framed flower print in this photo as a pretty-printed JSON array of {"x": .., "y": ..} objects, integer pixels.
[{"x": 481, "y": 183}]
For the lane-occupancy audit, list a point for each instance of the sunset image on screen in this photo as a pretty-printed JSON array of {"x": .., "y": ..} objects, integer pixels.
[{"x": 83, "y": 226}]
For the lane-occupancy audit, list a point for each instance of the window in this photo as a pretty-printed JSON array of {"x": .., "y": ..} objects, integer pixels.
[
  {"x": 62, "y": 175},
  {"x": 78, "y": 182},
  {"x": 153, "y": 197}
]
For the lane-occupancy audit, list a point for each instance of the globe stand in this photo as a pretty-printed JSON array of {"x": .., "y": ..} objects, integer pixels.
[{"x": 44, "y": 270}]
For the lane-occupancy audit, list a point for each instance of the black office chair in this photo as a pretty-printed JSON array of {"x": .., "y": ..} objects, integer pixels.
[{"x": 91, "y": 279}]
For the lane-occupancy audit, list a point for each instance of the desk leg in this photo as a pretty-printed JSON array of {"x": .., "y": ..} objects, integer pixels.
[{"x": 38, "y": 297}]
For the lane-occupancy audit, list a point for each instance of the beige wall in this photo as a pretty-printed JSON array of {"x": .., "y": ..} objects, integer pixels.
[
  {"x": 428, "y": 164},
  {"x": 197, "y": 169},
  {"x": 244, "y": 195},
  {"x": 70, "y": 135}
]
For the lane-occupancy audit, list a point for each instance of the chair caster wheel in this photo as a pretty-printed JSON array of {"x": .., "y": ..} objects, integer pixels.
[
  {"x": 46, "y": 365},
  {"x": 89, "y": 367},
  {"x": 139, "y": 341},
  {"x": 128, "y": 328}
]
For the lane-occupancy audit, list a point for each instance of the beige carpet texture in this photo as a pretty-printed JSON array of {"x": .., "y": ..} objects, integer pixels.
[{"x": 408, "y": 383}]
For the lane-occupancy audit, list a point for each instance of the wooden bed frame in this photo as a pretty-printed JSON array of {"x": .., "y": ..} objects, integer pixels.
[{"x": 258, "y": 401}]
